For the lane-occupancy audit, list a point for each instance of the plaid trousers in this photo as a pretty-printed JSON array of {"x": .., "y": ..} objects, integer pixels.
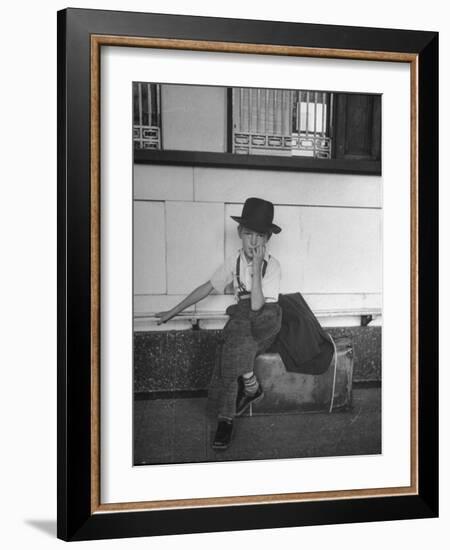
[{"x": 247, "y": 334}]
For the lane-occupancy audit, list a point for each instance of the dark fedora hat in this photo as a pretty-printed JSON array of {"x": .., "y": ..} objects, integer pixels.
[{"x": 257, "y": 214}]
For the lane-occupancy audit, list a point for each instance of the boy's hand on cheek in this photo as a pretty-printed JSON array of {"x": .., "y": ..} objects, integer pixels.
[{"x": 258, "y": 254}]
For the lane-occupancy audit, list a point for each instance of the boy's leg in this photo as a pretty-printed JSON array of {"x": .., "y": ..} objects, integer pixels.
[
  {"x": 238, "y": 356},
  {"x": 246, "y": 334},
  {"x": 265, "y": 328},
  {"x": 266, "y": 324}
]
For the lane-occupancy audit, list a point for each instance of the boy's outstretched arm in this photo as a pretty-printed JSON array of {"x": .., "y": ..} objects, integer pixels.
[{"x": 195, "y": 296}]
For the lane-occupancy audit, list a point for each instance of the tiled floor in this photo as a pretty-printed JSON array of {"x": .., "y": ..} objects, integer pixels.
[{"x": 178, "y": 430}]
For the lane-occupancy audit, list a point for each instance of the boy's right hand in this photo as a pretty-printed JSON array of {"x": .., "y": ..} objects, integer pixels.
[{"x": 164, "y": 316}]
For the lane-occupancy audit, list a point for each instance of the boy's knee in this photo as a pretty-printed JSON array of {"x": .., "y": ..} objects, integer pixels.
[
  {"x": 240, "y": 344},
  {"x": 237, "y": 327},
  {"x": 238, "y": 340}
]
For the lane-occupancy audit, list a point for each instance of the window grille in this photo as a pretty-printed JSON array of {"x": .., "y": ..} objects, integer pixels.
[
  {"x": 146, "y": 115},
  {"x": 282, "y": 122}
]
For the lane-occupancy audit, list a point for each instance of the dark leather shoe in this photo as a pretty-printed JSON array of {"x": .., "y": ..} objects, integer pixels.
[
  {"x": 224, "y": 431},
  {"x": 244, "y": 401}
]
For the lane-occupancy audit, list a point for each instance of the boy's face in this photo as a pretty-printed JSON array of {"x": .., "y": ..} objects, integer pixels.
[{"x": 251, "y": 239}]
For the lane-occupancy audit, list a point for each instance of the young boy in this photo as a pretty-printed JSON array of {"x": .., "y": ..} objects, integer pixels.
[{"x": 255, "y": 319}]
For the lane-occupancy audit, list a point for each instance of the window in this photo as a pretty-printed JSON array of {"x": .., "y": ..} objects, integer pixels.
[
  {"x": 146, "y": 115},
  {"x": 282, "y": 122}
]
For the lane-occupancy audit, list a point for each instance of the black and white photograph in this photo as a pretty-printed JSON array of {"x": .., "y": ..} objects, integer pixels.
[
  {"x": 257, "y": 273},
  {"x": 225, "y": 279},
  {"x": 239, "y": 271}
]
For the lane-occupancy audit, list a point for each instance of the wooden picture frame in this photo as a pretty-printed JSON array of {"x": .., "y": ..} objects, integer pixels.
[{"x": 81, "y": 35}]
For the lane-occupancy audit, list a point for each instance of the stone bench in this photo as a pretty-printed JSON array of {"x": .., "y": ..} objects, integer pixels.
[{"x": 182, "y": 362}]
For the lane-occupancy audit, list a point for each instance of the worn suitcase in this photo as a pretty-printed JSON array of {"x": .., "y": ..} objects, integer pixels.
[{"x": 290, "y": 392}]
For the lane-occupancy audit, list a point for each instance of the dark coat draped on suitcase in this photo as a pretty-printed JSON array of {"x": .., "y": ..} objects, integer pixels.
[{"x": 302, "y": 343}]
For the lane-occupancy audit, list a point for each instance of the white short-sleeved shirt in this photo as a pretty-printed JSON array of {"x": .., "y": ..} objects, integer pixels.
[{"x": 226, "y": 274}]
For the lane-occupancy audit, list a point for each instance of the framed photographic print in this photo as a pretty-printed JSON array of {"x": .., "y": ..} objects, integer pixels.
[{"x": 247, "y": 257}]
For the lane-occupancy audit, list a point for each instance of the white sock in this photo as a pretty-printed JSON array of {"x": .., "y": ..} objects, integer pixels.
[{"x": 251, "y": 384}]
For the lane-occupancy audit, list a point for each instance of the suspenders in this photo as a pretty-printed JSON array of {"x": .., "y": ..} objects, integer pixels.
[{"x": 242, "y": 291}]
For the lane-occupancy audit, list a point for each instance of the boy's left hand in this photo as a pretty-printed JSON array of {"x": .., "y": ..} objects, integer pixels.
[{"x": 258, "y": 254}]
